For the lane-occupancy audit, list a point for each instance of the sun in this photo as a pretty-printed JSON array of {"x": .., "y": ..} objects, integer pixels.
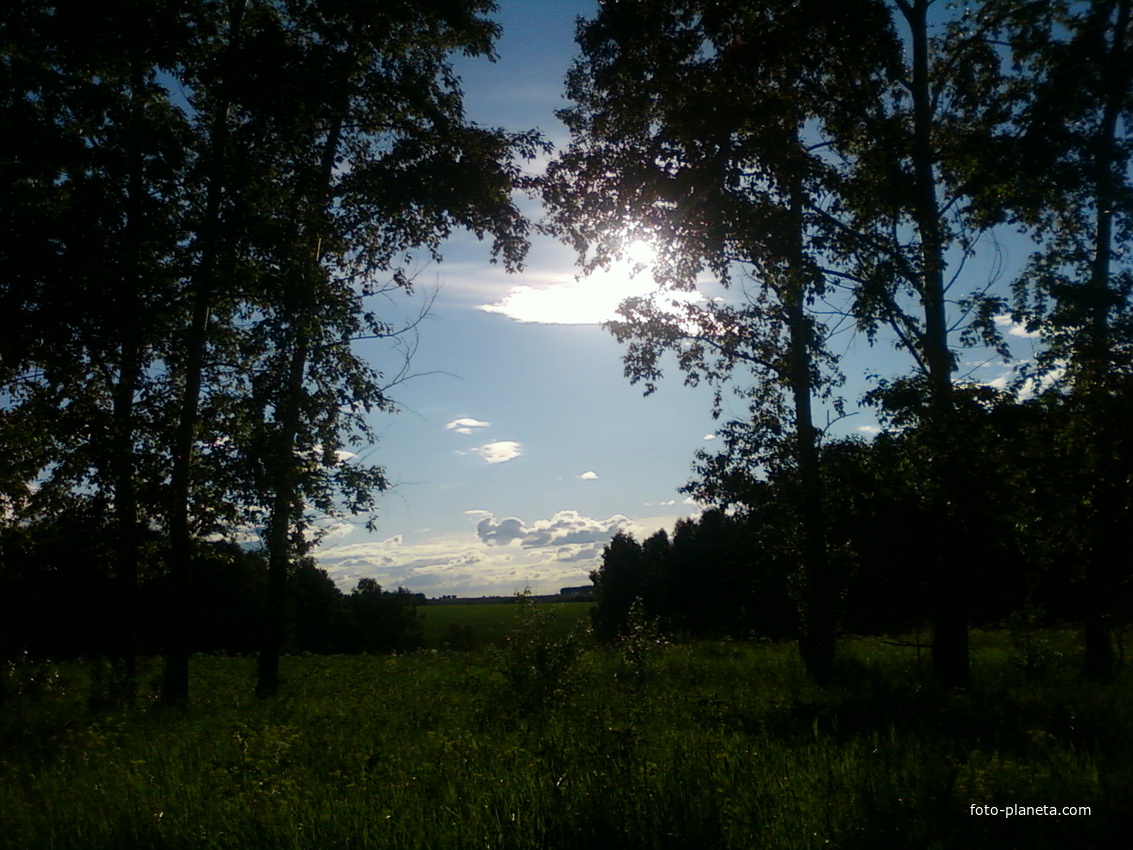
[
  {"x": 641, "y": 252},
  {"x": 591, "y": 299}
]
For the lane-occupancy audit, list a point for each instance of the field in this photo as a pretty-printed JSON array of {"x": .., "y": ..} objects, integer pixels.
[
  {"x": 553, "y": 743},
  {"x": 490, "y": 624}
]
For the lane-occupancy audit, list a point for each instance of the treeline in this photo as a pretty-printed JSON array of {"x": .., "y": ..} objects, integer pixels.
[
  {"x": 59, "y": 599},
  {"x": 1025, "y": 530},
  {"x": 201, "y": 200}
]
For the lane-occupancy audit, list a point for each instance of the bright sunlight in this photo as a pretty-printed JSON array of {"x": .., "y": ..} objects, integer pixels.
[{"x": 590, "y": 300}]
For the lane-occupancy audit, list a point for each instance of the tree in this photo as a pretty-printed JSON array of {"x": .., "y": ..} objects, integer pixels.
[
  {"x": 1074, "y": 87},
  {"x": 386, "y": 167},
  {"x": 93, "y": 232},
  {"x": 692, "y": 129},
  {"x": 902, "y": 222},
  {"x": 382, "y": 621},
  {"x": 617, "y": 583},
  {"x": 208, "y": 195}
]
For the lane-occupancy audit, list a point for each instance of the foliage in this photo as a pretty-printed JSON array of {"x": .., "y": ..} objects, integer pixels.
[
  {"x": 537, "y": 664},
  {"x": 205, "y": 196}
]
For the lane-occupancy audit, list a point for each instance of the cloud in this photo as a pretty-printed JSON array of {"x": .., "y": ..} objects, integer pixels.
[
  {"x": 500, "y": 533},
  {"x": 1031, "y": 386},
  {"x": 477, "y": 565},
  {"x": 501, "y": 557},
  {"x": 565, "y": 527},
  {"x": 709, "y": 437},
  {"x": 566, "y": 300},
  {"x": 569, "y": 555},
  {"x": 1015, "y": 328},
  {"x": 498, "y": 452},
  {"x": 869, "y": 429},
  {"x": 465, "y": 425},
  {"x": 588, "y": 476}
]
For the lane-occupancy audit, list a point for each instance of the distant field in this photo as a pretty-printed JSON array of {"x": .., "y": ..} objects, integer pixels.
[{"x": 492, "y": 623}]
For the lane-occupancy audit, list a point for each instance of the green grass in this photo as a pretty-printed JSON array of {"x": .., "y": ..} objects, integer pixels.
[
  {"x": 714, "y": 745},
  {"x": 492, "y": 623}
]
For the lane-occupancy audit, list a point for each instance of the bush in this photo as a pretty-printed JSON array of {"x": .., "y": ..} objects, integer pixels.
[{"x": 536, "y": 664}]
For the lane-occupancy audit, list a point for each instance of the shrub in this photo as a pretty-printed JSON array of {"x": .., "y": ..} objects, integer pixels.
[{"x": 536, "y": 664}]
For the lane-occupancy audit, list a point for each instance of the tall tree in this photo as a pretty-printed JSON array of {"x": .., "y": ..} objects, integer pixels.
[
  {"x": 902, "y": 224},
  {"x": 384, "y": 167},
  {"x": 208, "y": 195},
  {"x": 1067, "y": 182},
  {"x": 94, "y": 227},
  {"x": 693, "y": 129}
]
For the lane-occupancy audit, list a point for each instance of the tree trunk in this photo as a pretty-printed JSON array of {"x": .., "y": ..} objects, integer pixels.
[
  {"x": 1094, "y": 353},
  {"x": 819, "y": 626},
  {"x": 182, "y": 547},
  {"x": 948, "y": 578},
  {"x": 283, "y": 509},
  {"x": 124, "y": 630},
  {"x": 179, "y": 615},
  {"x": 286, "y": 496}
]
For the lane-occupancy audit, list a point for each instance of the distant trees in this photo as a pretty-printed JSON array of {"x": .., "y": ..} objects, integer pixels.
[
  {"x": 716, "y": 577},
  {"x": 734, "y": 574},
  {"x": 59, "y": 595}
]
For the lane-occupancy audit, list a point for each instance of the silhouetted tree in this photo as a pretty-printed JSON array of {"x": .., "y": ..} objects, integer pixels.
[
  {"x": 689, "y": 131},
  {"x": 618, "y": 581},
  {"x": 1071, "y": 190},
  {"x": 383, "y": 622}
]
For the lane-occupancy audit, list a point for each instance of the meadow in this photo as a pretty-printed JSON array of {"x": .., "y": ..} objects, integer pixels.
[
  {"x": 475, "y": 625},
  {"x": 549, "y": 741}
]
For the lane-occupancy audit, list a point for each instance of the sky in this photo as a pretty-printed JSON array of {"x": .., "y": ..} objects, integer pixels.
[{"x": 520, "y": 448}]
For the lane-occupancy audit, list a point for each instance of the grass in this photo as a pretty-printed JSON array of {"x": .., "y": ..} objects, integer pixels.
[
  {"x": 491, "y": 623},
  {"x": 714, "y": 745}
]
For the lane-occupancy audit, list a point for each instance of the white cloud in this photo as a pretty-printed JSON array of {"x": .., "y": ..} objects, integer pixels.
[
  {"x": 591, "y": 475},
  {"x": 565, "y": 527},
  {"x": 869, "y": 429},
  {"x": 465, "y": 425},
  {"x": 1031, "y": 386},
  {"x": 566, "y": 300},
  {"x": 503, "y": 555},
  {"x": 1015, "y": 328},
  {"x": 668, "y": 502},
  {"x": 552, "y": 553},
  {"x": 709, "y": 437},
  {"x": 314, "y": 453},
  {"x": 499, "y": 452},
  {"x": 568, "y": 554}
]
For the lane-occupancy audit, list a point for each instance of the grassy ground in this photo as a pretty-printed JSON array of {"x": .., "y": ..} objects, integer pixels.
[
  {"x": 548, "y": 744},
  {"x": 490, "y": 624}
]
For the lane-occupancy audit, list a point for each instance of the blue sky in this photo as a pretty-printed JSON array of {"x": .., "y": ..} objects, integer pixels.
[{"x": 520, "y": 448}]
